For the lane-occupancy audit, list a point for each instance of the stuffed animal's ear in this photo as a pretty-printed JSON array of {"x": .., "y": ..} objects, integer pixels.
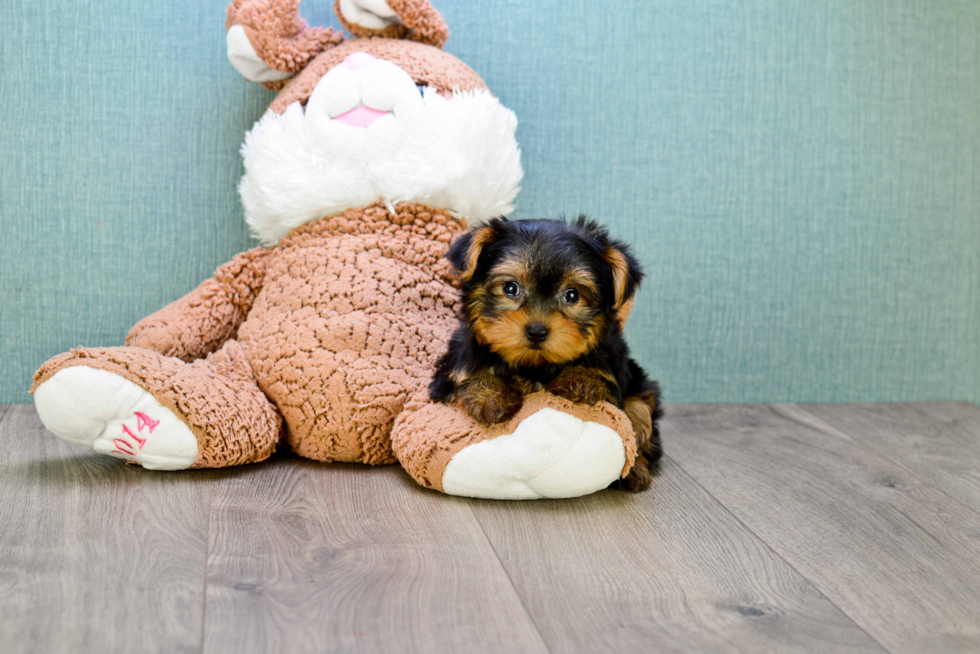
[
  {"x": 464, "y": 253},
  {"x": 415, "y": 20},
  {"x": 268, "y": 41}
]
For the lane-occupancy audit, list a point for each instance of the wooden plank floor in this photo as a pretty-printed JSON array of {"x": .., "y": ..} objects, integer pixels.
[{"x": 770, "y": 528}]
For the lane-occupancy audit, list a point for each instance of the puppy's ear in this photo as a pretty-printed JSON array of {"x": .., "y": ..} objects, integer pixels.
[
  {"x": 626, "y": 272},
  {"x": 464, "y": 253}
]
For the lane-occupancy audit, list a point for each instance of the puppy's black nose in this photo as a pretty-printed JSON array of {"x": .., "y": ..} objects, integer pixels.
[{"x": 536, "y": 332}]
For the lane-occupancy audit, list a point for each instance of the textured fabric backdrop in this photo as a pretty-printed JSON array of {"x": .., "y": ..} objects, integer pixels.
[{"x": 802, "y": 180}]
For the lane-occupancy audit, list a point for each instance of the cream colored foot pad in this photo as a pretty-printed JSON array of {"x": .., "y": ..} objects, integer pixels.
[
  {"x": 112, "y": 415},
  {"x": 551, "y": 454}
]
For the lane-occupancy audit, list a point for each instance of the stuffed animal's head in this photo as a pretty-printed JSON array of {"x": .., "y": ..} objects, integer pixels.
[{"x": 386, "y": 116}]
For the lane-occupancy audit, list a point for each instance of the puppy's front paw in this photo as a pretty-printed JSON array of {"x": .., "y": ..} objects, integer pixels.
[
  {"x": 636, "y": 480},
  {"x": 580, "y": 385},
  {"x": 490, "y": 401}
]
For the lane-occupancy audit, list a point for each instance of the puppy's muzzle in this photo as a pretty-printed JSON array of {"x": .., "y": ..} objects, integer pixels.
[{"x": 536, "y": 333}]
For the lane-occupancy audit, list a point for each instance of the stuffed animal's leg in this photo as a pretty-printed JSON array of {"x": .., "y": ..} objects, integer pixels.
[
  {"x": 158, "y": 411},
  {"x": 199, "y": 323},
  {"x": 551, "y": 448}
]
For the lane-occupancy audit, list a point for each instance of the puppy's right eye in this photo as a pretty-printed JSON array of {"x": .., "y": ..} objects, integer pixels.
[{"x": 511, "y": 289}]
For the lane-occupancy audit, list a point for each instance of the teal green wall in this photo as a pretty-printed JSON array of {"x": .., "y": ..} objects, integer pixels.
[{"x": 802, "y": 180}]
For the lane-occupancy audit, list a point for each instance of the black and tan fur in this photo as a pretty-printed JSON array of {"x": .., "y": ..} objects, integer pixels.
[{"x": 541, "y": 302}]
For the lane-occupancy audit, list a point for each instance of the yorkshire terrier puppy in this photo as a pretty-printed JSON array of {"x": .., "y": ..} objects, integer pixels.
[{"x": 542, "y": 305}]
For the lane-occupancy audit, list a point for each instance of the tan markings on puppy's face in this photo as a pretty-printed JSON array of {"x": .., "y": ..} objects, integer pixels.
[
  {"x": 505, "y": 290},
  {"x": 511, "y": 270},
  {"x": 576, "y": 326},
  {"x": 567, "y": 340},
  {"x": 502, "y": 310},
  {"x": 505, "y": 335},
  {"x": 577, "y": 294},
  {"x": 583, "y": 281}
]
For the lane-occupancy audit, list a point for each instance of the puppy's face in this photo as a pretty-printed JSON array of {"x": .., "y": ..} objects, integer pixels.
[
  {"x": 541, "y": 291},
  {"x": 531, "y": 308}
]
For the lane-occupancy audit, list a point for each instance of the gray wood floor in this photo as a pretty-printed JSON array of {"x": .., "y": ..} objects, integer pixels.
[{"x": 770, "y": 528}]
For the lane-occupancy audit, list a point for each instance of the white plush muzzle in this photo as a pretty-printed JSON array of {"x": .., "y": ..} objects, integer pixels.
[{"x": 458, "y": 154}]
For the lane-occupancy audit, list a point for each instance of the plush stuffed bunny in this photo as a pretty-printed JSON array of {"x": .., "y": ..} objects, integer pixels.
[{"x": 376, "y": 153}]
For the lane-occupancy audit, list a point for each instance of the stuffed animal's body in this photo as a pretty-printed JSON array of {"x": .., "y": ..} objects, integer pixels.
[{"x": 378, "y": 153}]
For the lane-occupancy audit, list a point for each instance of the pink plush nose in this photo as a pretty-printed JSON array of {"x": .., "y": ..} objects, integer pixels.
[{"x": 358, "y": 60}]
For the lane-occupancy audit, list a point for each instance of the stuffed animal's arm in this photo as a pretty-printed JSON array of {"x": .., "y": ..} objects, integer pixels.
[{"x": 200, "y": 322}]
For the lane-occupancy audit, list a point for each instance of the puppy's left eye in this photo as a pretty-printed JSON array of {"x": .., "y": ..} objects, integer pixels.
[
  {"x": 570, "y": 296},
  {"x": 511, "y": 289}
]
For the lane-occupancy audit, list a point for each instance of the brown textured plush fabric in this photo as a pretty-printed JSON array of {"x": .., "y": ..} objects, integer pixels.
[
  {"x": 200, "y": 322},
  {"x": 336, "y": 327},
  {"x": 427, "y": 435},
  {"x": 420, "y": 22},
  {"x": 426, "y": 64},
  {"x": 280, "y": 36},
  {"x": 216, "y": 397},
  {"x": 355, "y": 310}
]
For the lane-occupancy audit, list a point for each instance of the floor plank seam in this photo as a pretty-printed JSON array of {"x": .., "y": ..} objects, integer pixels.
[
  {"x": 4, "y": 410},
  {"x": 207, "y": 562},
  {"x": 875, "y": 452},
  {"x": 510, "y": 581},
  {"x": 768, "y": 546}
]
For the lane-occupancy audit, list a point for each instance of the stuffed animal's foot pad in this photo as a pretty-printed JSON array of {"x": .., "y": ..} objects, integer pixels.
[
  {"x": 550, "y": 454},
  {"x": 112, "y": 415}
]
